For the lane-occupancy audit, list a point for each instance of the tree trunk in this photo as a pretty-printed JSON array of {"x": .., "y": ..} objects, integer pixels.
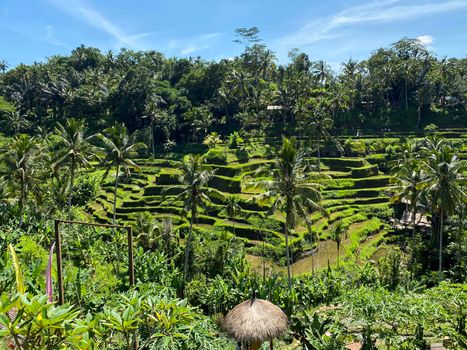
[
  {"x": 338, "y": 249},
  {"x": 153, "y": 142},
  {"x": 233, "y": 223},
  {"x": 319, "y": 156},
  {"x": 72, "y": 178},
  {"x": 287, "y": 250},
  {"x": 21, "y": 203},
  {"x": 115, "y": 193},
  {"x": 419, "y": 112},
  {"x": 188, "y": 248},
  {"x": 406, "y": 99},
  {"x": 414, "y": 214},
  {"x": 441, "y": 242}
]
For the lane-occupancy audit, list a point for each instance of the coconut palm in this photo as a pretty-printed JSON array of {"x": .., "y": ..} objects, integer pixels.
[
  {"x": 15, "y": 122},
  {"x": 76, "y": 150},
  {"x": 444, "y": 172},
  {"x": 119, "y": 149},
  {"x": 290, "y": 190},
  {"x": 232, "y": 208},
  {"x": 409, "y": 187},
  {"x": 153, "y": 113},
  {"x": 194, "y": 177},
  {"x": 321, "y": 72},
  {"x": 20, "y": 168},
  {"x": 320, "y": 129},
  {"x": 3, "y": 66},
  {"x": 3, "y": 191}
]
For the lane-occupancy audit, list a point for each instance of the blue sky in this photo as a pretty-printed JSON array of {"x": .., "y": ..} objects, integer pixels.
[{"x": 326, "y": 29}]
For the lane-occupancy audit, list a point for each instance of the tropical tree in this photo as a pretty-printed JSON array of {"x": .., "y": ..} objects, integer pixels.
[
  {"x": 3, "y": 66},
  {"x": 232, "y": 208},
  {"x": 321, "y": 72},
  {"x": 409, "y": 183},
  {"x": 194, "y": 177},
  {"x": 76, "y": 150},
  {"x": 15, "y": 122},
  {"x": 320, "y": 129},
  {"x": 444, "y": 172},
  {"x": 153, "y": 113},
  {"x": 20, "y": 168},
  {"x": 290, "y": 190},
  {"x": 201, "y": 119},
  {"x": 119, "y": 149}
]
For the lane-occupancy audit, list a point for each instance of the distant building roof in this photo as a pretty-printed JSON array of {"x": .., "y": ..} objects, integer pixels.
[{"x": 275, "y": 107}]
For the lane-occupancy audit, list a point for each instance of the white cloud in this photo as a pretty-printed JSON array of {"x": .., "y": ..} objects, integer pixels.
[
  {"x": 86, "y": 13},
  {"x": 50, "y": 37},
  {"x": 425, "y": 40},
  {"x": 193, "y": 48},
  {"x": 368, "y": 13},
  {"x": 198, "y": 43}
]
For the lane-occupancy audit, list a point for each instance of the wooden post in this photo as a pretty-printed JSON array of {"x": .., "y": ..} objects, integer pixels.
[
  {"x": 131, "y": 262},
  {"x": 271, "y": 344},
  {"x": 58, "y": 242}
]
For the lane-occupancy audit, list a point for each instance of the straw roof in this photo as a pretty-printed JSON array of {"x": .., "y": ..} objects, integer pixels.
[{"x": 255, "y": 320}]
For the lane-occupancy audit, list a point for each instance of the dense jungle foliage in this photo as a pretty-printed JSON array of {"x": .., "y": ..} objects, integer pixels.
[{"x": 338, "y": 196}]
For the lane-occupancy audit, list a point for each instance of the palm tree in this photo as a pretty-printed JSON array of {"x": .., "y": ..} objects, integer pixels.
[
  {"x": 232, "y": 207},
  {"x": 320, "y": 129},
  {"x": 409, "y": 186},
  {"x": 3, "y": 192},
  {"x": 153, "y": 113},
  {"x": 321, "y": 72},
  {"x": 195, "y": 178},
  {"x": 336, "y": 235},
  {"x": 15, "y": 122},
  {"x": 76, "y": 150},
  {"x": 119, "y": 151},
  {"x": 444, "y": 172},
  {"x": 20, "y": 168},
  {"x": 290, "y": 190},
  {"x": 3, "y": 66}
]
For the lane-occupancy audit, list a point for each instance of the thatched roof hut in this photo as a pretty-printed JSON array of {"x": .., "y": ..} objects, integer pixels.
[{"x": 255, "y": 321}]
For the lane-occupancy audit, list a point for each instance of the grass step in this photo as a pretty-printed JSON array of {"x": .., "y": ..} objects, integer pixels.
[{"x": 354, "y": 193}]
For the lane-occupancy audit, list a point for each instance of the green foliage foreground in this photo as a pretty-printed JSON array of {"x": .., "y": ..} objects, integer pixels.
[{"x": 378, "y": 304}]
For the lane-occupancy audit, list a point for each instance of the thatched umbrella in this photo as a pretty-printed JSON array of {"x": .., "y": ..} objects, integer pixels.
[{"x": 255, "y": 321}]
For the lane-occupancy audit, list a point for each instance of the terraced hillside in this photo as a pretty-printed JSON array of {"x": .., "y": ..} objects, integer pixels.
[{"x": 355, "y": 192}]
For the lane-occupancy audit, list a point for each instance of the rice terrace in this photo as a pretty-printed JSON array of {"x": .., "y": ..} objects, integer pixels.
[{"x": 203, "y": 187}]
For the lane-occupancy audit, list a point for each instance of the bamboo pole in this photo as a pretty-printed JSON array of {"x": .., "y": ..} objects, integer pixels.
[
  {"x": 131, "y": 263},
  {"x": 58, "y": 242}
]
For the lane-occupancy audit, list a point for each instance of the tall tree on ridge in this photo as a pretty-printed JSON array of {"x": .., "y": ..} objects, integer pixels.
[
  {"x": 119, "y": 149},
  {"x": 290, "y": 190},
  {"x": 76, "y": 150}
]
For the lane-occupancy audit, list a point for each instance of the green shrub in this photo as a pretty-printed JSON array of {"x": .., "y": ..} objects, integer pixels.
[
  {"x": 157, "y": 190},
  {"x": 365, "y": 171},
  {"x": 234, "y": 140},
  {"x": 226, "y": 184},
  {"x": 342, "y": 163},
  {"x": 85, "y": 191},
  {"x": 166, "y": 177},
  {"x": 216, "y": 156}
]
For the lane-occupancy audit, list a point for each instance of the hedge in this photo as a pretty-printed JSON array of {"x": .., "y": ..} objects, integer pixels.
[
  {"x": 249, "y": 232},
  {"x": 365, "y": 171},
  {"x": 167, "y": 178},
  {"x": 343, "y": 163},
  {"x": 216, "y": 156},
  {"x": 226, "y": 184},
  {"x": 353, "y": 193},
  {"x": 157, "y": 190}
]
